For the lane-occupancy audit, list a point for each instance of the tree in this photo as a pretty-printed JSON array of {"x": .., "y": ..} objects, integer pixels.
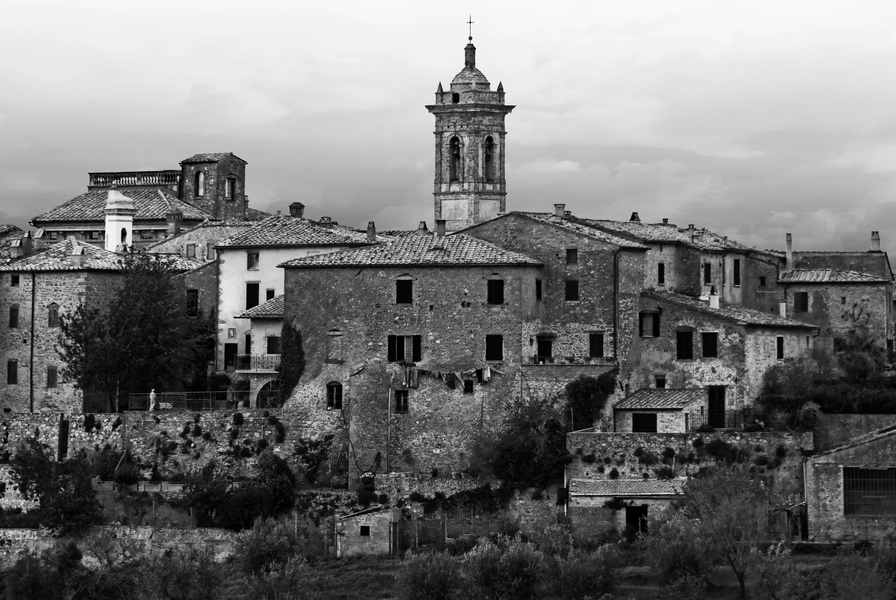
[
  {"x": 143, "y": 339},
  {"x": 292, "y": 360},
  {"x": 586, "y": 397}
]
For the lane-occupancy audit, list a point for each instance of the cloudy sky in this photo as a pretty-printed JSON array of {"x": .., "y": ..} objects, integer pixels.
[{"x": 750, "y": 118}]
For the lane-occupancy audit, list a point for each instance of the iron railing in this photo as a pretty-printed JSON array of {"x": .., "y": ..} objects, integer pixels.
[
  {"x": 191, "y": 400},
  {"x": 257, "y": 362}
]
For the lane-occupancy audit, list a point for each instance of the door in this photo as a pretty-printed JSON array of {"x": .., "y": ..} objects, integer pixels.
[
  {"x": 717, "y": 406},
  {"x": 229, "y": 356},
  {"x": 636, "y": 518},
  {"x": 644, "y": 423},
  {"x": 545, "y": 348}
]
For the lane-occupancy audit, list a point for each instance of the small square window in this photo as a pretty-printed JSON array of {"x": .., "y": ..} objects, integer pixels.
[
  {"x": 468, "y": 386},
  {"x": 572, "y": 290},
  {"x": 495, "y": 291},
  {"x": 762, "y": 281},
  {"x": 365, "y": 530},
  {"x": 14, "y": 280},
  {"x": 572, "y": 256},
  {"x": 252, "y": 261},
  {"x": 494, "y": 347},
  {"x": 842, "y": 299},
  {"x": 269, "y": 294},
  {"x": 649, "y": 324},
  {"x": 404, "y": 291},
  {"x": 273, "y": 344},
  {"x": 660, "y": 382},
  {"x": 401, "y": 401}
]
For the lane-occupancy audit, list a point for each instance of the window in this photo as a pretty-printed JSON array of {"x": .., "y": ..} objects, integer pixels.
[
  {"x": 251, "y": 261},
  {"x": 229, "y": 188},
  {"x": 489, "y": 159},
  {"x": 248, "y": 339},
  {"x": 643, "y": 422},
  {"x": 572, "y": 256},
  {"x": 649, "y": 324},
  {"x": 199, "y": 184},
  {"x": 495, "y": 291},
  {"x": 12, "y": 371},
  {"x": 273, "y": 344},
  {"x": 779, "y": 348},
  {"x": 736, "y": 274},
  {"x": 404, "y": 348},
  {"x": 191, "y": 250},
  {"x": 14, "y": 316},
  {"x": 842, "y": 299},
  {"x": 538, "y": 289},
  {"x": 53, "y": 315},
  {"x": 192, "y": 303},
  {"x": 334, "y": 396},
  {"x": 572, "y": 290},
  {"x": 660, "y": 382},
  {"x": 468, "y": 386},
  {"x": 365, "y": 530},
  {"x": 404, "y": 291},
  {"x": 684, "y": 345},
  {"x": 596, "y": 345},
  {"x": 51, "y": 376},
  {"x": 401, "y": 401},
  {"x": 800, "y": 302},
  {"x": 229, "y": 355},
  {"x": 334, "y": 346},
  {"x": 269, "y": 294},
  {"x": 762, "y": 282},
  {"x": 210, "y": 252},
  {"x": 94, "y": 235},
  {"x": 494, "y": 347},
  {"x": 661, "y": 274},
  {"x": 454, "y": 160},
  {"x": 251, "y": 295},
  {"x": 545, "y": 347},
  {"x": 707, "y": 273},
  {"x": 14, "y": 280},
  {"x": 455, "y": 98},
  {"x": 869, "y": 492},
  {"x": 53, "y": 235},
  {"x": 710, "y": 343}
]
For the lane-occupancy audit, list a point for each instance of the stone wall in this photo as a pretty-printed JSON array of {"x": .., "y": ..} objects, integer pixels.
[{"x": 835, "y": 430}]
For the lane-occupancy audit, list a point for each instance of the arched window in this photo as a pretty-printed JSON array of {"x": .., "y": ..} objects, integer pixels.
[
  {"x": 53, "y": 315},
  {"x": 199, "y": 184},
  {"x": 489, "y": 159},
  {"x": 334, "y": 396},
  {"x": 14, "y": 316},
  {"x": 455, "y": 98},
  {"x": 454, "y": 160},
  {"x": 124, "y": 236}
]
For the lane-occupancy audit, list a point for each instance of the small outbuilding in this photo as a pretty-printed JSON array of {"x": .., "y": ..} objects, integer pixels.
[
  {"x": 597, "y": 506},
  {"x": 374, "y": 530},
  {"x": 650, "y": 410}
]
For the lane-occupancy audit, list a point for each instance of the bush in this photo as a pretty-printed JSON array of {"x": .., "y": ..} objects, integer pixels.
[
  {"x": 513, "y": 569},
  {"x": 430, "y": 577},
  {"x": 584, "y": 576},
  {"x": 587, "y": 396},
  {"x": 267, "y": 543},
  {"x": 706, "y": 428},
  {"x": 238, "y": 419},
  {"x": 589, "y": 458},
  {"x": 291, "y": 580}
]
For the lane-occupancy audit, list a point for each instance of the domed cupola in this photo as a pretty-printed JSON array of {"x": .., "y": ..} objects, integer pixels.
[{"x": 470, "y": 77}]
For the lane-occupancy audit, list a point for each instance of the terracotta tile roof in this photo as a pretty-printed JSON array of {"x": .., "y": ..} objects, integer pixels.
[
  {"x": 284, "y": 230},
  {"x": 272, "y": 309},
  {"x": 58, "y": 257},
  {"x": 421, "y": 249},
  {"x": 209, "y": 157},
  {"x": 668, "y": 399},
  {"x": 151, "y": 204},
  {"x": 253, "y": 214},
  {"x": 8, "y": 230},
  {"x": 827, "y": 276},
  {"x": 874, "y": 436},
  {"x": 625, "y": 488},
  {"x": 669, "y": 233},
  {"x": 582, "y": 227},
  {"x": 731, "y": 312}
]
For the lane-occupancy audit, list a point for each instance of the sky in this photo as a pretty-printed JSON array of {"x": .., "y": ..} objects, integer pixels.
[{"x": 752, "y": 119}]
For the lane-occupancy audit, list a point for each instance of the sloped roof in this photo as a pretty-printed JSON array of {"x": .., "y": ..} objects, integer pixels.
[
  {"x": 151, "y": 204},
  {"x": 625, "y": 488},
  {"x": 420, "y": 249},
  {"x": 284, "y": 230},
  {"x": 580, "y": 227},
  {"x": 58, "y": 257},
  {"x": 662, "y": 399},
  {"x": 669, "y": 233},
  {"x": 272, "y": 309},
  {"x": 731, "y": 312},
  {"x": 209, "y": 157},
  {"x": 874, "y": 436},
  {"x": 6, "y": 230},
  {"x": 253, "y": 214},
  {"x": 827, "y": 276}
]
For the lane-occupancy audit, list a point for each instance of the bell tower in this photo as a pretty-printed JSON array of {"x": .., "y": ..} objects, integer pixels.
[{"x": 469, "y": 179}]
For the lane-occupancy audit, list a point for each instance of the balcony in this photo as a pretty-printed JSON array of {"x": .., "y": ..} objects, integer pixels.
[
  {"x": 132, "y": 179},
  {"x": 257, "y": 362},
  {"x": 569, "y": 360}
]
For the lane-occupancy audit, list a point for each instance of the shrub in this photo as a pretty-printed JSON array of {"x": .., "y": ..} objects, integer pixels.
[
  {"x": 668, "y": 453},
  {"x": 267, "y": 543},
  {"x": 206, "y": 435},
  {"x": 430, "y": 576},
  {"x": 197, "y": 417},
  {"x": 589, "y": 458},
  {"x": 587, "y": 396},
  {"x": 512, "y": 570},
  {"x": 706, "y": 428},
  {"x": 761, "y": 460},
  {"x": 584, "y": 576},
  {"x": 197, "y": 430},
  {"x": 238, "y": 419},
  {"x": 698, "y": 442},
  {"x": 665, "y": 473}
]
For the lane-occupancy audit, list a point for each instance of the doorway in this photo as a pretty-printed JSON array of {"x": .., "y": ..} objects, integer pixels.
[
  {"x": 636, "y": 518},
  {"x": 716, "y": 406}
]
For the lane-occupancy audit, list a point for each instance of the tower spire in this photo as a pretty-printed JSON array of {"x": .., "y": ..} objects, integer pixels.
[{"x": 470, "y": 49}]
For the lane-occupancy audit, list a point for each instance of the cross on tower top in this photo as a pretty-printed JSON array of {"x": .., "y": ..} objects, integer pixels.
[{"x": 470, "y": 24}]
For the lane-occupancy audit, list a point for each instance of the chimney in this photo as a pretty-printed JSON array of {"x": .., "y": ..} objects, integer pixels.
[
  {"x": 173, "y": 218},
  {"x": 665, "y": 221},
  {"x": 77, "y": 255},
  {"x": 567, "y": 213},
  {"x": 371, "y": 231},
  {"x": 788, "y": 257},
  {"x": 440, "y": 227},
  {"x": 875, "y": 241},
  {"x": 635, "y": 218},
  {"x": 691, "y": 231},
  {"x": 325, "y": 221},
  {"x": 713, "y": 297},
  {"x": 297, "y": 210},
  {"x": 21, "y": 247},
  {"x": 559, "y": 210},
  {"x": 782, "y": 310},
  {"x": 421, "y": 228}
]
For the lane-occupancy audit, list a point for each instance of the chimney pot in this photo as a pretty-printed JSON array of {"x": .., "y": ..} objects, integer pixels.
[
  {"x": 371, "y": 231},
  {"x": 559, "y": 210},
  {"x": 422, "y": 226},
  {"x": 788, "y": 256},
  {"x": 440, "y": 227},
  {"x": 297, "y": 210},
  {"x": 635, "y": 217},
  {"x": 325, "y": 220},
  {"x": 665, "y": 221},
  {"x": 875, "y": 241}
]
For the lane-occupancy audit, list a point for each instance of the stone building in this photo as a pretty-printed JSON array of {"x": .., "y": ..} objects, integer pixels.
[
  {"x": 469, "y": 184},
  {"x": 598, "y": 506},
  {"x": 411, "y": 345},
  {"x": 651, "y": 410},
  {"x": 851, "y": 489},
  {"x": 685, "y": 342},
  {"x": 248, "y": 272},
  {"x": 262, "y": 367}
]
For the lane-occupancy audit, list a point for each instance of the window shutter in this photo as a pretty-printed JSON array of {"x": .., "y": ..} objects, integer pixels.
[
  {"x": 417, "y": 349},
  {"x": 656, "y": 324}
]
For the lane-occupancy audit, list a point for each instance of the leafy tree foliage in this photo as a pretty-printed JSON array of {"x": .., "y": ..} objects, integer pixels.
[
  {"x": 143, "y": 339},
  {"x": 292, "y": 360},
  {"x": 587, "y": 396}
]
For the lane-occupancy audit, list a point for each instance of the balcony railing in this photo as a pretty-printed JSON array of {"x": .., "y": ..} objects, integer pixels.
[
  {"x": 191, "y": 400},
  {"x": 257, "y": 362},
  {"x": 135, "y": 179}
]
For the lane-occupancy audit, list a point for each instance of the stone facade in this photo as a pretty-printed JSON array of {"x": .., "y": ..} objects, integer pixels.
[{"x": 222, "y": 193}]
